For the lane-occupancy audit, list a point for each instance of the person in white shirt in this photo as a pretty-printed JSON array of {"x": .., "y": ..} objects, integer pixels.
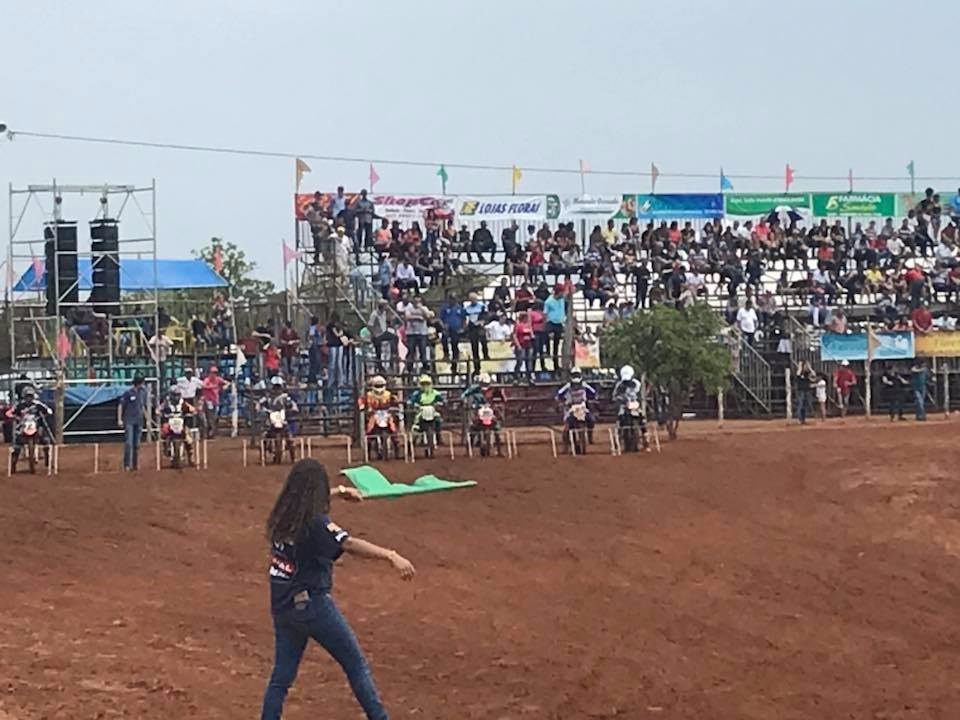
[
  {"x": 498, "y": 330},
  {"x": 747, "y": 321},
  {"x": 160, "y": 345},
  {"x": 895, "y": 246},
  {"x": 945, "y": 252},
  {"x": 406, "y": 276},
  {"x": 188, "y": 385}
]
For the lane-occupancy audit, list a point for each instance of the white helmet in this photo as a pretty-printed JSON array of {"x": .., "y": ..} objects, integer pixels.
[
  {"x": 276, "y": 381},
  {"x": 626, "y": 373},
  {"x": 483, "y": 378}
]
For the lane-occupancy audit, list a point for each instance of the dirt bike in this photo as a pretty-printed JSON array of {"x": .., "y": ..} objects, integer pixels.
[
  {"x": 629, "y": 420},
  {"x": 175, "y": 440},
  {"x": 576, "y": 429},
  {"x": 382, "y": 436},
  {"x": 483, "y": 431},
  {"x": 30, "y": 440},
  {"x": 277, "y": 437},
  {"x": 428, "y": 429}
]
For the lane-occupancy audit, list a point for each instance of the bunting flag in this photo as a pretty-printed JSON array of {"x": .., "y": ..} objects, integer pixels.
[
  {"x": 37, "y": 265},
  {"x": 787, "y": 176},
  {"x": 302, "y": 168},
  {"x": 442, "y": 174},
  {"x": 63, "y": 345},
  {"x": 850, "y": 180},
  {"x": 515, "y": 177},
  {"x": 654, "y": 174},
  {"x": 725, "y": 183},
  {"x": 217, "y": 259},
  {"x": 584, "y": 169},
  {"x": 289, "y": 254},
  {"x": 374, "y": 178},
  {"x": 910, "y": 171}
]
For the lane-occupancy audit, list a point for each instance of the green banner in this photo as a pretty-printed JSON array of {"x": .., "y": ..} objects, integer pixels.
[
  {"x": 856, "y": 203},
  {"x": 762, "y": 203}
]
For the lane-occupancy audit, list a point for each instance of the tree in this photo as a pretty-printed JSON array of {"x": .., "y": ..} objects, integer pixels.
[
  {"x": 236, "y": 270},
  {"x": 676, "y": 349}
]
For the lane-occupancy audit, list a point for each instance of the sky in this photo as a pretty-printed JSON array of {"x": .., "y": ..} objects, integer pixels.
[{"x": 747, "y": 85}]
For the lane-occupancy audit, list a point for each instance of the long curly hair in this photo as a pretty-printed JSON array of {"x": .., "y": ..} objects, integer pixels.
[{"x": 305, "y": 494}]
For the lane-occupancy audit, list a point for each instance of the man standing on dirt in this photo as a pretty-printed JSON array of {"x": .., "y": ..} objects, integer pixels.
[
  {"x": 131, "y": 414},
  {"x": 843, "y": 380},
  {"x": 210, "y": 395},
  {"x": 919, "y": 375},
  {"x": 893, "y": 384}
]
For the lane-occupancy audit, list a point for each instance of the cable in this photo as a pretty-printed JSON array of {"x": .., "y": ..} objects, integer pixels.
[{"x": 12, "y": 134}]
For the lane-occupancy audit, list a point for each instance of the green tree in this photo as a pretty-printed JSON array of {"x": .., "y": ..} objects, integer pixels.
[
  {"x": 237, "y": 270},
  {"x": 676, "y": 349}
]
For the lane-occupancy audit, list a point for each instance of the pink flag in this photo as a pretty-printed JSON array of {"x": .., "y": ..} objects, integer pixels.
[
  {"x": 374, "y": 178},
  {"x": 217, "y": 259},
  {"x": 63, "y": 345},
  {"x": 37, "y": 265},
  {"x": 290, "y": 254},
  {"x": 787, "y": 176}
]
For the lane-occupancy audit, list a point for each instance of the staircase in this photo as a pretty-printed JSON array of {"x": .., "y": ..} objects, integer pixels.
[{"x": 752, "y": 376}]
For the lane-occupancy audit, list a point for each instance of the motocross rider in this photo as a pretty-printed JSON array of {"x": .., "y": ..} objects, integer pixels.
[
  {"x": 378, "y": 397},
  {"x": 279, "y": 399},
  {"x": 482, "y": 393},
  {"x": 28, "y": 404},
  {"x": 576, "y": 392},
  {"x": 629, "y": 388},
  {"x": 426, "y": 396},
  {"x": 173, "y": 405}
]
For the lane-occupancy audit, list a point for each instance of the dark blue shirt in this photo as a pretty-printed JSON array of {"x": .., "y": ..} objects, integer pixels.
[
  {"x": 452, "y": 315},
  {"x": 307, "y": 565},
  {"x": 132, "y": 403}
]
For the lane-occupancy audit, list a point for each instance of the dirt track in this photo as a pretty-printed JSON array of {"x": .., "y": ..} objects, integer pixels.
[{"x": 758, "y": 573}]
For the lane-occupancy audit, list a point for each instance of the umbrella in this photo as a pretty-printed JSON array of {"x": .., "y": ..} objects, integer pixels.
[{"x": 785, "y": 214}]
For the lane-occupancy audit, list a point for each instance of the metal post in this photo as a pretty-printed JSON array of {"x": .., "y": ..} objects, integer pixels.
[
  {"x": 787, "y": 379},
  {"x": 206, "y": 464},
  {"x": 720, "y": 409},
  {"x": 469, "y": 445},
  {"x": 58, "y": 406},
  {"x": 244, "y": 446},
  {"x": 263, "y": 454},
  {"x": 656, "y": 437},
  {"x": 158, "y": 452},
  {"x": 553, "y": 443},
  {"x": 349, "y": 450},
  {"x": 613, "y": 444},
  {"x": 514, "y": 436},
  {"x": 868, "y": 383},
  {"x": 946, "y": 389},
  {"x": 96, "y": 458}
]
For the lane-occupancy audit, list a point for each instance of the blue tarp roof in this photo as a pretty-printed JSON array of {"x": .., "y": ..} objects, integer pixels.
[{"x": 138, "y": 275}]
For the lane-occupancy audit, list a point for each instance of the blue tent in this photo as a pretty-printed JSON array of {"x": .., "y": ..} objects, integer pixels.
[{"x": 139, "y": 275}]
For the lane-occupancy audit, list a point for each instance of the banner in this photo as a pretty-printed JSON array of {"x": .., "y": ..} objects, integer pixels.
[
  {"x": 589, "y": 208},
  {"x": 762, "y": 203},
  {"x": 503, "y": 360},
  {"x": 508, "y": 207},
  {"x": 391, "y": 207},
  {"x": 944, "y": 343},
  {"x": 887, "y": 346},
  {"x": 825, "y": 204},
  {"x": 671, "y": 207}
]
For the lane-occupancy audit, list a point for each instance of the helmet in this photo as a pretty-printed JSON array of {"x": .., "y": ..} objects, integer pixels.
[
  {"x": 28, "y": 392},
  {"x": 276, "y": 382},
  {"x": 626, "y": 373},
  {"x": 378, "y": 382},
  {"x": 576, "y": 376},
  {"x": 483, "y": 378},
  {"x": 425, "y": 380},
  {"x": 174, "y": 394}
]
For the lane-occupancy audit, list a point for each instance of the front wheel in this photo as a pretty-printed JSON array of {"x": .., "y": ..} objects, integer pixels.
[{"x": 32, "y": 456}]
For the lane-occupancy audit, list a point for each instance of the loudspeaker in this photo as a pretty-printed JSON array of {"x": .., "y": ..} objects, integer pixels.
[
  {"x": 105, "y": 254},
  {"x": 60, "y": 270}
]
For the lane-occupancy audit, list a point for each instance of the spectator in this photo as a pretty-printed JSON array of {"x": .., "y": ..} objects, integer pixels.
[
  {"x": 954, "y": 208},
  {"x": 452, "y": 316},
  {"x": 919, "y": 377},
  {"x": 524, "y": 298},
  {"x": 271, "y": 359},
  {"x": 131, "y": 416},
  {"x": 336, "y": 342},
  {"x": 416, "y": 317},
  {"x": 385, "y": 276},
  {"x": 365, "y": 213},
  {"x": 748, "y": 321},
  {"x": 843, "y": 381},
  {"x": 289, "y": 349},
  {"x": 610, "y": 313},
  {"x": 501, "y": 301},
  {"x": 382, "y": 333},
  {"x": 476, "y": 311},
  {"x": 921, "y": 319},
  {"x": 338, "y": 204},
  {"x": 555, "y": 309},
  {"x": 538, "y": 322},
  {"x": 523, "y": 346},
  {"x": 805, "y": 377},
  {"x": 482, "y": 242},
  {"x": 821, "y": 395},
  {"x": 315, "y": 338},
  {"x": 210, "y": 390},
  {"x": 893, "y": 385},
  {"x": 406, "y": 276}
]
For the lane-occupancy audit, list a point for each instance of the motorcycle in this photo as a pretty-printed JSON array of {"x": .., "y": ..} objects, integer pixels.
[
  {"x": 576, "y": 430},
  {"x": 483, "y": 431},
  {"x": 277, "y": 437},
  {"x": 175, "y": 440},
  {"x": 428, "y": 427},
  {"x": 29, "y": 440},
  {"x": 382, "y": 436},
  {"x": 629, "y": 421}
]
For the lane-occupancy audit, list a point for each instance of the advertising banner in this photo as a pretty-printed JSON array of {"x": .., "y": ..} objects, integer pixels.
[
  {"x": 825, "y": 204},
  {"x": 588, "y": 208},
  {"x": 762, "y": 203},
  {"x": 945, "y": 343},
  {"x": 508, "y": 207},
  {"x": 672, "y": 206},
  {"x": 886, "y": 346},
  {"x": 391, "y": 207}
]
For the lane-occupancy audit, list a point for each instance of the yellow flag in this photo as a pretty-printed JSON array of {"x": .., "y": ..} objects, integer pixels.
[
  {"x": 516, "y": 177},
  {"x": 302, "y": 168}
]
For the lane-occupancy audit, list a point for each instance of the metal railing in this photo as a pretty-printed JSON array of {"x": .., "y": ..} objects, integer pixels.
[{"x": 752, "y": 372}]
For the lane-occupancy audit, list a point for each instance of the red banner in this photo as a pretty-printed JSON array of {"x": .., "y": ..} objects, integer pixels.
[{"x": 391, "y": 207}]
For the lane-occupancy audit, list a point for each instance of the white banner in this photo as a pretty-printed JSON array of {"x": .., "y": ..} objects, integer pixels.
[
  {"x": 586, "y": 207},
  {"x": 507, "y": 207}
]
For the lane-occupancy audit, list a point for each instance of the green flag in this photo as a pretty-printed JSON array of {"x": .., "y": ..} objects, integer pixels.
[
  {"x": 911, "y": 170},
  {"x": 442, "y": 174}
]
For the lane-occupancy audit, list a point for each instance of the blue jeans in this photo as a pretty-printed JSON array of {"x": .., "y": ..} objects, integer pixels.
[
  {"x": 132, "y": 433},
  {"x": 322, "y": 621},
  {"x": 524, "y": 358},
  {"x": 919, "y": 404},
  {"x": 803, "y": 405},
  {"x": 335, "y": 366}
]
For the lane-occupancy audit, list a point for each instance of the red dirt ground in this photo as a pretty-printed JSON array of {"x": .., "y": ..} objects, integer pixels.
[{"x": 752, "y": 573}]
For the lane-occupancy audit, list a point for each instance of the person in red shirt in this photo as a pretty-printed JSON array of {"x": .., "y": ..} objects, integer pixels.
[
  {"x": 538, "y": 321},
  {"x": 290, "y": 349},
  {"x": 210, "y": 389},
  {"x": 922, "y": 319},
  {"x": 523, "y": 345},
  {"x": 271, "y": 360},
  {"x": 843, "y": 380}
]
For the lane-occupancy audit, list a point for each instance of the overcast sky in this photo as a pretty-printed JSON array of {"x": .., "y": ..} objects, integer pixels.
[{"x": 692, "y": 85}]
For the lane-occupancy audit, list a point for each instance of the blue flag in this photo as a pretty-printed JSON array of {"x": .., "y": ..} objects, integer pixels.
[{"x": 725, "y": 183}]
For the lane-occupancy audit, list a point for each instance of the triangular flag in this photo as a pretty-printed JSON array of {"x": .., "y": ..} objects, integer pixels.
[
  {"x": 584, "y": 168},
  {"x": 788, "y": 176},
  {"x": 37, "y": 265},
  {"x": 654, "y": 174},
  {"x": 289, "y": 254},
  {"x": 910, "y": 169},
  {"x": 442, "y": 174},
  {"x": 850, "y": 180},
  {"x": 217, "y": 259},
  {"x": 516, "y": 176},
  {"x": 63, "y": 345},
  {"x": 725, "y": 183},
  {"x": 302, "y": 168},
  {"x": 374, "y": 178}
]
